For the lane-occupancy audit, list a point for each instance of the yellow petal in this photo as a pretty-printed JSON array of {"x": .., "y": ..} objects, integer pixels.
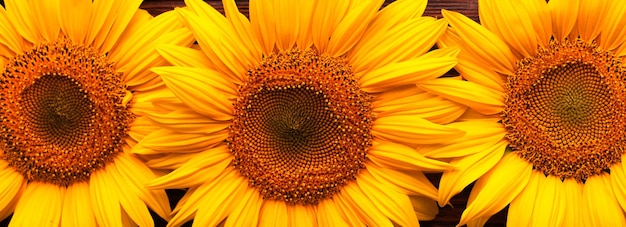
[
  {"x": 612, "y": 33},
  {"x": 20, "y": 15},
  {"x": 221, "y": 201},
  {"x": 243, "y": 28},
  {"x": 102, "y": 18},
  {"x": 140, "y": 128},
  {"x": 73, "y": 19},
  {"x": 471, "y": 70},
  {"x": 355, "y": 200},
  {"x": 618, "y": 180},
  {"x": 540, "y": 16},
  {"x": 395, "y": 205},
  {"x": 392, "y": 16},
  {"x": 187, "y": 121},
  {"x": 414, "y": 37},
  {"x": 409, "y": 183},
  {"x": 126, "y": 220},
  {"x": 123, "y": 15},
  {"x": 9, "y": 208},
  {"x": 196, "y": 197},
  {"x": 564, "y": 16},
  {"x": 550, "y": 202},
  {"x": 411, "y": 100},
  {"x": 480, "y": 135},
  {"x": 145, "y": 32},
  {"x": 134, "y": 176},
  {"x": 574, "y": 203},
  {"x": 287, "y": 14},
  {"x": 165, "y": 140},
  {"x": 200, "y": 95},
  {"x": 413, "y": 71},
  {"x": 497, "y": 188},
  {"x": 246, "y": 213},
  {"x": 425, "y": 208},
  {"x": 146, "y": 99},
  {"x": 184, "y": 56},
  {"x": 468, "y": 169},
  {"x": 202, "y": 168},
  {"x": 40, "y": 205},
  {"x": 620, "y": 51},
  {"x": 169, "y": 161},
  {"x": 273, "y": 213},
  {"x": 487, "y": 46},
  {"x": 498, "y": 16},
  {"x": 209, "y": 77},
  {"x": 305, "y": 36},
  {"x": 136, "y": 53},
  {"x": 478, "y": 222},
  {"x": 398, "y": 156},
  {"x": 106, "y": 205},
  {"x": 330, "y": 213},
  {"x": 302, "y": 215},
  {"x": 351, "y": 28},
  {"x": 411, "y": 130},
  {"x": 263, "y": 24},
  {"x": 219, "y": 42},
  {"x": 9, "y": 37},
  {"x": 473, "y": 115},
  {"x": 10, "y": 185},
  {"x": 478, "y": 97},
  {"x": 45, "y": 16},
  {"x": 183, "y": 213},
  {"x": 77, "y": 206},
  {"x": 326, "y": 17},
  {"x": 131, "y": 204},
  {"x": 522, "y": 207},
  {"x": 602, "y": 208},
  {"x": 590, "y": 14}
]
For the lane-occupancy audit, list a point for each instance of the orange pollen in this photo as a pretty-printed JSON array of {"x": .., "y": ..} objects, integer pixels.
[
  {"x": 565, "y": 110},
  {"x": 301, "y": 127},
  {"x": 62, "y": 112}
]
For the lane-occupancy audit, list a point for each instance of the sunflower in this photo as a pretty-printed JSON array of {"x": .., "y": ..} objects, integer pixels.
[
  {"x": 546, "y": 130},
  {"x": 75, "y": 87},
  {"x": 304, "y": 114}
]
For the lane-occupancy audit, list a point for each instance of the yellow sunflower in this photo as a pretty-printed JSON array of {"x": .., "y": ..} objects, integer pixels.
[
  {"x": 305, "y": 114},
  {"x": 547, "y": 132},
  {"x": 75, "y": 86}
]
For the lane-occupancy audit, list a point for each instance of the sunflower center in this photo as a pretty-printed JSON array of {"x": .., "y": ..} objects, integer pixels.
[
  {"x": 301, "y": 127},
  {"x": 58, "y": 109},
  {"x": 63, "y": 112},
  {"x": 565, "y": 110}
]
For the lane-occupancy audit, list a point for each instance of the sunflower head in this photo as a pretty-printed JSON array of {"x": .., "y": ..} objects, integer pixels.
[
  {"x": 75, "y": 86},
  {"x": 564, "y": 107},
  {"x": 301, "y": 127},
  {"x": 62, "y": 112},
  {"x": 550, "y": 89},
  {"x": 308, "y": 112}
]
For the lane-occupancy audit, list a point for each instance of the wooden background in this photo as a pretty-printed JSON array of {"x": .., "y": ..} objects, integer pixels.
[{"x": 448, "y": 215}]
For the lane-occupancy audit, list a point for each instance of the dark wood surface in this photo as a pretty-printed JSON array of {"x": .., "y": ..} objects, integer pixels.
[
  {"x": 448, "y": 215},
  {"x": 467, "y": 7}
]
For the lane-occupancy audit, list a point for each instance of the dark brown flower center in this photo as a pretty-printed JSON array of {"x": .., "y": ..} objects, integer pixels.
[
  {"x": 565, "y": 110},
  {"x": 301, "y": 128},
  {"x": 62, "y": 112}
]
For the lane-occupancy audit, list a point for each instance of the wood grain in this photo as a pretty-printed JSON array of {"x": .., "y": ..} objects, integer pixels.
[{"x": 467, "y": 7}]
